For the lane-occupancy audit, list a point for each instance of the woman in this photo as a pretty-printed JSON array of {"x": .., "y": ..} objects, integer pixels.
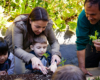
[{"x": 21, "y": 33}]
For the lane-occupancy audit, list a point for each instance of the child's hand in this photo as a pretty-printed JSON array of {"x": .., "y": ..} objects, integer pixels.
[
  {"x": 53, "y": 67},
  {"x": 3, "y": 73},
  {"x": 37, "y": 64}
]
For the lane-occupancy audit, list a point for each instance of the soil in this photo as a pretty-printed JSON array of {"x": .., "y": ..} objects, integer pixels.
[{"x": 31, "y": 76}]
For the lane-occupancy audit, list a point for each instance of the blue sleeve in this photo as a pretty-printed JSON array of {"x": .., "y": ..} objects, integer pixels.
[
  {"x": 49, "y": 58},
  {"x": 28, "y": 66}
]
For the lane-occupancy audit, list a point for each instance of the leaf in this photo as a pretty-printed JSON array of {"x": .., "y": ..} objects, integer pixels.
[
  {"x": 63, "y": 61},
  {"x": 28, "y": 10},
  {"x": 58, "y": 10},
  {"x": 94, "y": 37},
  {"x": 3, "y": 31},
  {"x": 72, "y": 25},
  {"x": 55, "y": 26},
  {"x": 63, "y": 26},
  {"x": 46, "y": 55},
  {"x": 58, "y": 21}
]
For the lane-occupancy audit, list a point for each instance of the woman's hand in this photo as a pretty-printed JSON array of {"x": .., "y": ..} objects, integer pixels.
[
  {"x": 97, "y": 44},
  {"x": 37, "y": 64},
  {"x": 53, "y": 67},
  {"x": 55, "y": 58},
  {"x": 3, "y": 73}
]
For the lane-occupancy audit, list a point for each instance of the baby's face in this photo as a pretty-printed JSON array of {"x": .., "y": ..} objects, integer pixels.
[
  {"x": 3, "y": 58},
  {"x": 40, "y": 48}
]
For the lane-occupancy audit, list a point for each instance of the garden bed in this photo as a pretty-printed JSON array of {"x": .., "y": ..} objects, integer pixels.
[
  {"x": 93, "y": 78},
  {"x": 40, "y": 76},
  {"x": 95, "y": 72},
  {"x": 31, "y": 76}
]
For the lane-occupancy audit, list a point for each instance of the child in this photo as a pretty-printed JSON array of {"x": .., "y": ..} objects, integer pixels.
[
  {"x": 6, "y": 64},
  {"x": 68, "y": 72},
  {"x": 39, "y": 48}
]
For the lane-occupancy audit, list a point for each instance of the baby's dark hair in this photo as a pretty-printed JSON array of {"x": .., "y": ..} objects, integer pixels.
[
  {"x": 39, "y": 39},
  {"x": 68, "y": 72},
  {"x": 3, "y": 46}
]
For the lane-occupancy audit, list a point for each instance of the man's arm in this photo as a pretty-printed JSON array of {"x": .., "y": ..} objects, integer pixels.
[
  {"x": 81, "y": 61},
  {"x": 81, "y": 58}
]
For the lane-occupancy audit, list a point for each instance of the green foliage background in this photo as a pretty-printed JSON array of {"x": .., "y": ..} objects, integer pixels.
[{"x": 62, "y": 12}]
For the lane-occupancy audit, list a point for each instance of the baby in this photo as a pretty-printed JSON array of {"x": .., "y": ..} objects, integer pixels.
[{"x": 39, "y": 48}]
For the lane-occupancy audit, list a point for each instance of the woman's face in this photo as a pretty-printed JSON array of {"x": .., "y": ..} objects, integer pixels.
[{"x": 38, "y": 26}]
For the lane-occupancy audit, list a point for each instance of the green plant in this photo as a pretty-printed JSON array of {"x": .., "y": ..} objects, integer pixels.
[
  {"x": 62, "y": 12},
  {"x": 88, "y": 78},
  {"x": 94, "y": 37},
  {"x": 3, "y": 20},
  {"x": 62, "y": 61},
  {"x": 94, "y": 78},
  {"x": 97, "y": 78},
  {"x": 21, "y": 7},
  {"x": 3, "y": 31},
  {"x": 46, "y": 55},
  {"x": 72, "y": 24}
]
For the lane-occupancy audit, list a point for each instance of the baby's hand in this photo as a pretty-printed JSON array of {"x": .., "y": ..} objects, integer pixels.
[
  {"x": 3, "y": 73},
  {"x": 53, "y": 67}
]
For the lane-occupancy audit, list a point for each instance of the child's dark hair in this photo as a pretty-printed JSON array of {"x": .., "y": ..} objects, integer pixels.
[
  {"x": 68, "y": 72},
  {"x": 3, "y": 46}
]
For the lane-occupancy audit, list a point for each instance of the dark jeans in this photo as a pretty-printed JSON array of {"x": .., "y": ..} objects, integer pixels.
[{"x": 92, "y": 57}]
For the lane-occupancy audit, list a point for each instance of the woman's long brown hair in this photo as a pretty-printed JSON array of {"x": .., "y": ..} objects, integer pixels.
[{"x": 37, "y": 13}]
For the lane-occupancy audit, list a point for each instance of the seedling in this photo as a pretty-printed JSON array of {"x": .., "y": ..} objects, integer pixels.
[
  {"x": 94, "y": 78},
  {"x": 97, "y": 78},
  {"x": 46, "y": 55},
  {"x": 88, "y": 78},
  {"x": 94, "y": 37},
  {"x": 63, "y": 61}
]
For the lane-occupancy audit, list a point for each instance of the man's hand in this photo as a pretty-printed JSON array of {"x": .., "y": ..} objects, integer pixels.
[
  {"x": 85, "y": 71},
  {"x": 81, "y": 60},
  {"x": 55, "y": 58},
  {"x": 97, "y": 44}
]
